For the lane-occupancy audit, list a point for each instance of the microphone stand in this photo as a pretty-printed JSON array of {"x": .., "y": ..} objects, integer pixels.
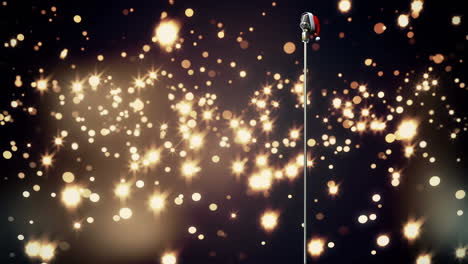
[{"x": 305, "y": 40}]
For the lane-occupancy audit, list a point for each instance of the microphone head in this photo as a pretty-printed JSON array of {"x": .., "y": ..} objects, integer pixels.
[
  {"x": 306, "y": 21},
  {"x": 310, "y": 23}
]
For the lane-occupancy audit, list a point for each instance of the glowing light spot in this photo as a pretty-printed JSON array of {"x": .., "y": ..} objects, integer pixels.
[
  {"x": 169, "y": 258},
  {"x": 122, "y": 190},
  {"x": 94, "y": 80},
  {"x": 213, "y": 207},
  {"x": 32, "y": 249},
  {"x": 94, "y": 197},
  {"x": 7, "y": 154},
  {"x": 196, "y": 197},
  {"x": 153, "y": 156},
  {"x": 157, "y": 202},
  {"x": 460, "y": 194},
  {"x": 412, "y": 230},
  {"x": 77, "y": 18},
  {"x": 362, "y": 219},
  {"x": 332, "y": 188},
  {"x": 383, "y": 240},
  {"x": 456, "y": 20},
  {"x": 291, "y": 171},
  {"x": 68, "y": 177},
  {"x": 189, "y": 12},
  {"x": 47, "y": 252},
  {"x": 237, "y": 167},
  {"x": 71, "y": 196},
  {"x": 269, "y": 220},
  {"x": 42, "y": 85},
  {"x": 125, "y": 213},
  {"x": 403, "y": 20},
  {"x": 316, "y": 247},
  {"x": 243, "y": 136},
  {"x": 167, "y": 32},
  {"x": 407, "y": 130},
  {"x": 424, "y": 259},
  {"x": 344, "y": 6},
  {"x": 260, "y": 182},
  {"x": 192, "y": 230},
  {"x": 190, "y": 169},
  {"x": 77, "y": 87},
  {"x": 289, "y": 48},
  {"x": 460, "y": 253},
  {"x": 379, "y": 28},
  {"x": 196, "y": 141},
  {"x": 376, "y": 198},
  {"x": 434, "y": 181}
]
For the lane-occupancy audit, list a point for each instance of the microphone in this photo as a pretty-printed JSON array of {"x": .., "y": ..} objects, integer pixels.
[{"x": 310, "y": 25}]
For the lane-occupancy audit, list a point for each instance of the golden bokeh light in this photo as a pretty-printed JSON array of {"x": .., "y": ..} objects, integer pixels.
[
  {"x": 122, "y": 190},
  {"x": 403, "y": 20},
  {"x": 383, "y": 240},
  {"x": 71, "y": 196},
  {"x": 157, "y": 202},
  {"x": 269, "y": 220},
  {"x": 190, "y": 169},
  {"x": 169, "y": 258},
  {"x": 344, "y": 6},
  {"x": 315, "y": 247},
  {"x": 411, "y": 230},
  {"x": 167, "y": 32},
  {"x": 407, "y": 129},
  {"x": 424, "y": 259}
]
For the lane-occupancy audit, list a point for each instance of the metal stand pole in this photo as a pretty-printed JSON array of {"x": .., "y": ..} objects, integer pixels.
[{"x": 305, "y": 148}]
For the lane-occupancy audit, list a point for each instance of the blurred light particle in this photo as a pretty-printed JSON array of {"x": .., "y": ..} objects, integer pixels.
[
  {"x": 403, "y": 20},
  {"x": 460, "y": 194},
  {"x": 460, "y": 253},
  {"x": 424, "y": 259},
  {"x": 196, "y": 197},
  {"x": 7, "y": 154},
  {"x": 77, "y": 19},
  {"x": 289, "y": 47},
  {"x": 316, "y": 246},
  {"x": 63, "y": 54},
  {"x": 166, "y": 33},
  {"x": 169, "y": 258},
  {"x": 269, "y": 220},
  {"x": 344, "y": 6},
  {"x": 125, "y": 213},
  {"x": 434, "y": 181},
  {"x": 383, "y": 240},
  {"x": 411, "y": 230},
  {"x": 379, "y": 28},
  {"x": 189, "y": 12},
  {"x": 213, "y": 207},
  {"x": 416, "y": 8},
  {"x": 71, "y": 196},
  {"x": 362, "y": 219},
  {"x": 456, "y": 20},
  {"x": 68, "y": 177},
  {"x": 438, "y": 58}
]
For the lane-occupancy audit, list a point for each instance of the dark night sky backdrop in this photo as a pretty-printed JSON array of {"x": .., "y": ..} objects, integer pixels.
[{"x": 143, "y": 239}]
